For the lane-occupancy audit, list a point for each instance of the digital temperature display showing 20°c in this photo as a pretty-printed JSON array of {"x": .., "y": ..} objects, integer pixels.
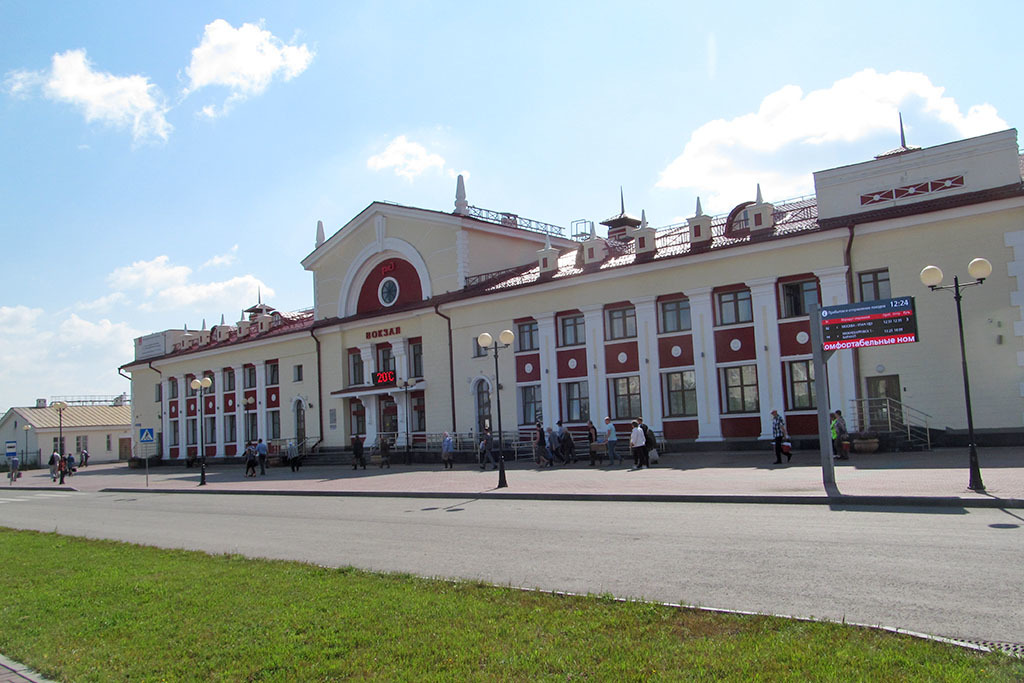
[{"x": 386, "y": 377}]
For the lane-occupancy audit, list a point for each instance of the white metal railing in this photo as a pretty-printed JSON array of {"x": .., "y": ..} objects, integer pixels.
[
  {"x": 511, "y": 220},
  {"x": 890, "y": 415}
]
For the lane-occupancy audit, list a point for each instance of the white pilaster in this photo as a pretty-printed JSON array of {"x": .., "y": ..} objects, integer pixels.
[
  {"x": 647, "y": 356},
  {"x": 593, "y": 320},
  {"x": 218, "y": 410},
  {"x": 399, "y": 349},
  {"x": 766, "y": 347},
  {"x": 548, "y": 369},
  {"x": 261, "y": 401},
  {"x": 239, "y": 409},
  {"x": 165, "y": 417},
  {"x": 709, "y": 412}
]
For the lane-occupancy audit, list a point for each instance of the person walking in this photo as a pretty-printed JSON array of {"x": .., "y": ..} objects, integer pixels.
[
  {"x": 71, "y": 464},
  {"x": 611, "y": 440},
  {"x": 54, "y": 465},
  {"x": 486, "y": 445},
  {"x": 593, "y": 443},
  {"x": 842, "y": 437},
  {"x": 62, "y": 468},
  {"x": 650, "y": 442},
  {"x": 358, "y": 458},
  {"x": 779, "y": 433},
  {"x": 13, "y": 473},
  {"x": 85, "y": 457},
  {"x": 250, "y": 460},
  {"x": 637, "y": 442},
  {"x": 385, "y": 452},
  {"x": 539, "y": 445},
  {"x": 548, "y": 447},
  {"x": 294, "y": 461},
  {"x": 261, "y": 455},
  {"x": 448, "y": 451}
]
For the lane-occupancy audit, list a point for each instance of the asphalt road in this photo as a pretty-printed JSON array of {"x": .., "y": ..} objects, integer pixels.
[{"x": 949, "y": 572}]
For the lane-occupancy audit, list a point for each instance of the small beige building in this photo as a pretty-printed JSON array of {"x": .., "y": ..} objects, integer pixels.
[
  {"x": 702, "y": 327},
  {"x": 100, "y": 425}
]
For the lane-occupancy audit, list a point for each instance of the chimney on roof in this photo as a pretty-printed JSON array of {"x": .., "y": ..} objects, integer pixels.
[{"x": 40, "y": 403}]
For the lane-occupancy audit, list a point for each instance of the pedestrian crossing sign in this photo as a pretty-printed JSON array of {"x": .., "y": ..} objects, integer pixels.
[{"x": 146, "y": 435}]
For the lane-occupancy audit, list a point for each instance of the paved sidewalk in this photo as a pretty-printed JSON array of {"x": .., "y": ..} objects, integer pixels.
[
  {"x": 938, "y": 477},
  {"x": 13, "y": 672}
]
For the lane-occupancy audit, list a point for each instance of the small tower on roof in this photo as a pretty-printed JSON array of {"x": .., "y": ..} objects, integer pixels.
[
  {"x": 547, "y": 258},
  {"x": 644, "y": 237},
  {"x": 700, "y": 226},
  {"x": 762, "y": 214},
  {"x": 461, "y": 205},
  {"x": 620, "y": 225},
  {"x": 319, "y": 234}
]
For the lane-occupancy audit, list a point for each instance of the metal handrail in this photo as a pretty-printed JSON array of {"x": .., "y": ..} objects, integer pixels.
[
  {"x": 888, "y": 414},
  {"x": 511, "y": 220}
]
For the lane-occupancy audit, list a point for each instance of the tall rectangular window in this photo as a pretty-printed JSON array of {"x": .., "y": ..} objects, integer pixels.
[
  {"x": 526, "y": 336},
  {"x": 478, "y": 351},
  {"x": 740, "y": 383},
  {"x": 251, "y": 426},
  {"x": 797, "y": 298},
  {"x": 801, "y": 385},
  {"x": 159, "y": 392},
  {"x": 357, "y": 417},
  {"x": 229, "y": 379},
  {"x": 273, "y": 424},
  {"x": 332, "y": 419},
  {"x": 173, "y": 424},
  {"x": 575, "y": 401},
  {"x": 209, "y": 430},
  {"x": 620, "y": 323},
  {"x": 296, "y": 373},
  {"x": 230, "y": 428},
  {"x": 273, "y": 378},
  {"x": 249, "y": 376},
  {"x": 572, "y": 330},
  {"x": 172, "y": 388},
  {"x": 213, "y": 383},
  {"x": 419, "y": 414},
  {"x": 355, "y": 369},
  {"x": 874, "y": 285},
  {"x": 109, "y": 443},
  {"x": 734, "y": 307},
  {"x": 58, "y": 444},
  {"x": 385, "y": 359},
  {"x": 675, "y": 315},
  {"x": 416, "y": 359},
  {"x": 191, "y": 432},
  {"x": 625, "y": 395},
  {"x": 530, "y": 404},
  {"x": 679, "y": 393},
  {"x": 189, "y": 391},
  {"x": 81, "y": 443}
]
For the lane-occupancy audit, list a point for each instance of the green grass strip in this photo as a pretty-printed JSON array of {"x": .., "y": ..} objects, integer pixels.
[{"x": 81, "y": 610}]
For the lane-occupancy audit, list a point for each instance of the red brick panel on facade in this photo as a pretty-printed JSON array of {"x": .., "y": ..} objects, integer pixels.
[
  {"x": 735, "y": 344},
  {"x": 621, "y": 357},
  {"x": 795, "y": 338},
  {"x": 528, "y": 367},
  {"x": 209, "y": 404},
  {"x": 572, "y": 362},
  {"x": 737, "y": 427},
  {"x": 409, "y": 288},
  {"x": 229, "y": 402},
  {"x": 190, "y": 407},
  {"x": 680, "y": 429},
  {"x": 802, "y": 424},
  {"x": 675, "y": 351},
  {"x": 273, "y": 397},
  {"x": 172, "y": 409}
]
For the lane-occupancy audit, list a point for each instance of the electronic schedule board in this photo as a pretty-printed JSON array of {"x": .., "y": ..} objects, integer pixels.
[{"x": 869, "y": 323}]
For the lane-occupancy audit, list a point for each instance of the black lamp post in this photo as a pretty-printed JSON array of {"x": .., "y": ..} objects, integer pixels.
[
  {"x": 201, "y": 385},
  {"x": 60, "y": 407},
  {"x": 406, "y": 385},
  {"x": 25, "y": 428},
  {"x": 931, "y": 276},
  {"x": 486, "y": 341}
]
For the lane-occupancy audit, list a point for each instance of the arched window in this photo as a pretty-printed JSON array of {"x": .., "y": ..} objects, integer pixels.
[{"x": 483, "y": 405}]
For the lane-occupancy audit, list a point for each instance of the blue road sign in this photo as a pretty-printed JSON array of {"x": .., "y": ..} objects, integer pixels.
[
  {"x": 146, "y": 436},
  {"x": 12, "y": 449}
]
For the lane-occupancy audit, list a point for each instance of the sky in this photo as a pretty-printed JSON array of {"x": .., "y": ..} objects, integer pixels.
[{"x": 163, "y": 164}]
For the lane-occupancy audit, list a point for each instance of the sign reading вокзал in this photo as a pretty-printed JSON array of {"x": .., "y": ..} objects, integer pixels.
[{"x": 869, "y": 323}]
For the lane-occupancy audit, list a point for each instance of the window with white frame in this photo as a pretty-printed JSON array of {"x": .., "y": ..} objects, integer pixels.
[
  {"x": 675, "y": 315},
  {"x": 679, "y": 393},
  {"x": 419, "y": 414},
  {"x": 740, "y": 389},
  {"x": 625, "y": 397},
  {"x": 385, "y": 359},
  {"x": 172, "y": 388},
  {"x": 526, "y": 336},
  {"x": 874, "y": 285},
  {"x": 159, "y": 392},
  {"x": 571, "y": 330},
  {"x": 296, "y": 373},
  {"x": 620, "y": 323},
  {"x": 191, "y": 432},
  {"x": 332, "y": 419},
  {"x": 229, "y": 379},
  {"x": 478, "y": 351},
  {"x": 530, "y": 404},
  {"x": 355, "y": 369},
  {"x": 273, "y": 377},
  {"x": 273, "y": 424},
  {"x": 230, "y": 428},
  {"x": 797, "y": 298},
  {"x": 81, "y": 443},
  {"x": 174, "y": 432},
  {"x": 251, "y": 426},
  {"x": 109, "y": 443},
  {"x": 575, "y": 402},
  {"x": 249, "y": 376},
  {"x": 800, "y": 374},
  {"x": 416, "y": 359},
  {"x": 734, "y": 307},
  {"x": 210, "y": 430}
]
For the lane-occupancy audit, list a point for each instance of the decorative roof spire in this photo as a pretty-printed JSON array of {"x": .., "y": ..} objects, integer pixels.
[
  {"x": 700, "y": 212},
  {"x": 622, "y": 201},
  {"x": 259, "y": 295},
  {"x": 204, "y": 325},
  {"x": 547, "y": 241},
  {"x": 319, "y": 234},
  {"x": 758, "y": 199},
  {"x": 221, "y": 318},
  {"x": 461, "y": 205},
  {"x": 643, "y": 219},
  {"x": 903, "y": 138}
]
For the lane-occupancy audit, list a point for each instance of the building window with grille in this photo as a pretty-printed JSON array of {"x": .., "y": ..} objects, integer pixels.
[
  {"x": 81, "y": 443},
  {"x": 675, "y": 315},
  {"x": 229, "y": 379},
  {"x": 230, "y": 428},
  {"x": 273, "y": 424},
  {"x": 620, "y": 323},
  {"x": 874, "y": 285},
  {"x": 209, "y": 430},
  {"x": 249, "y": 376},
  {"x": 740, "y": 384},
  {"x": 191, "y": 432},
  {"x": 173, "y": 424},
  {"x": 273, "y": 378},
  {"x": 172, "y": 388},
  {"x": 576, "y": 401},
  {"x": 679, "y": 393},
  {"x": 797, "y": 298},
  {"x": 734, "y": 307},
  {"x": 801, "y": 385},
  {"x": 419, "y": 414},
  {"x": 625, "y": 395},
  {"x": 572, "y": 330},
  {"x": 526, "y": 336},
  {"x": 355, "y": 369},
  {"x": 530, "y": 404},
  {"x": 416, "y": 359}
]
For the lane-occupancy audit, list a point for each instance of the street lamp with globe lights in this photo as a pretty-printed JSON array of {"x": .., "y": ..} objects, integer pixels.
[
  {"x": 486, "y": 341},
  {"x": 26, "y": 428},
  {"x": 201, "y": 385},
  {"x": 931, "y": 276},
  {"x": 60, "y": 407}
]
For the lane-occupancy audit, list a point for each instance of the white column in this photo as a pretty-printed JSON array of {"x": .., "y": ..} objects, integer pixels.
[
  {"x": 218, "y": 410},
  {"x": 182, "y": 418},
  {"x": 842, "y": 384},
  {"x": 369, "y": 359},
  {"x": 261, "y": 401},
  {"x": 165, "y": 417},
  {"x": 371, "y": 410},
  {"x": 709, "y": 412},
  {"x": 766, "y": 348},
  {"x": 239, "y": 409},
  {"x": 593, "y": 320},
  {"x": 647, "y": 351},
  {"x": 548, "y": 369},
  {"x": 399, "y": 350}
]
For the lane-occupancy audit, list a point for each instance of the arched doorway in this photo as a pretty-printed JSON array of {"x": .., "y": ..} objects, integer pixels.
[{"x": 482, "y": 392}]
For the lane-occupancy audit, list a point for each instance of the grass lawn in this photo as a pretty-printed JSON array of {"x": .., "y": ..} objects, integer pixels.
[{"x": 85, "y": 610}]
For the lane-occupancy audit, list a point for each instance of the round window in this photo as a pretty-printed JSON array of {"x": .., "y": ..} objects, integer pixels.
[{"x": 387, "y": 291}]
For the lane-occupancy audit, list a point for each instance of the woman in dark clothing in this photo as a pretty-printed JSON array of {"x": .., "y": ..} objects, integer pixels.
[{"x": 357, "y": 453}]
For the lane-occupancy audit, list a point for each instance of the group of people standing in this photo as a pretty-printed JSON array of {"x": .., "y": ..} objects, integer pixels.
[
  {"x": 256, "y": 453},
  {"x": 65, "y": 465},
  {"x": 556, "y": 442}
]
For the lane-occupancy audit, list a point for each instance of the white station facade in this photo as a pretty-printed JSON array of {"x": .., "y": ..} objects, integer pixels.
[{"x": 703, "y": 327}]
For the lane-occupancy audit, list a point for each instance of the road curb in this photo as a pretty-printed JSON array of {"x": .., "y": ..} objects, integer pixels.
[{"x": 836, "y": 501}]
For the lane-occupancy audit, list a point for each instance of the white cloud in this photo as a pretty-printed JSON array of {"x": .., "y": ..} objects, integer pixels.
[
  {"x": 223, "y": 259},
  {"x": 238, "y": 292},
  {"x": 104, "y": 303},
  {"x": 712, "y": 57},
  {"x": 725, "y": 159},
  {"x": 148, "y": 276},
  {"x": 245, "y": 60},
  {"x": 409, "y": 159},
  {"x": 130, "y": 102},
  {"x": 76, "y": 332}
]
